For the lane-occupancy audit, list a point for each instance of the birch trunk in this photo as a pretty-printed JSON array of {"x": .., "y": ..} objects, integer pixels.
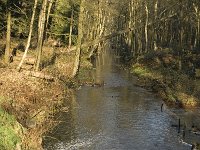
[
  {"x": 49, "y": 11},
  {"x": 155, "y": 18},
  {"x": 71, "y": 29},
  {"x": 146, "y": 28},
  {"x": 130, "y": 34},
  {"x": 29, "y": 36},
  {"x": 48, "y": 15}
]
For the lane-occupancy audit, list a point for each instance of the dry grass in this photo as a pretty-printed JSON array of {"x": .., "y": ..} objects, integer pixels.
[
  {"x": 33, "y": 100},
  {"x": 63, "y": 65},
  {"x": 29, "y": 98}
]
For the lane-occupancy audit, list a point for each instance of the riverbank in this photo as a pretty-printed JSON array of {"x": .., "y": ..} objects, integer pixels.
[
  {"x": 29, "y": 103},
  {"x": 100, "y": 117},
  {"x": 29, "y": 100},
  {"x": 158, "y": 71}
]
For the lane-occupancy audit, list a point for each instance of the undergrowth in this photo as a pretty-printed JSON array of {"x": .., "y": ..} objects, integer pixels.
[
  {"x": 8, "y": 135},
  {"x": 160, "y": 74}
]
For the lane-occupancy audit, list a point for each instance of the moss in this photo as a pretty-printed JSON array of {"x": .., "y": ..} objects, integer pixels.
[
  {"x": 143, "y": 71},
  {"x": 140, "y": 70},
  {"x": 8, "y": 135}
]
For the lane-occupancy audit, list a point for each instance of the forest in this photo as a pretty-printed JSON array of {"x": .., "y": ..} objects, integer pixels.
[{"x": 47, "y": 48}]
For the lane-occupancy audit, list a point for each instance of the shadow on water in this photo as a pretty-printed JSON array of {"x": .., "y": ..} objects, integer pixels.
[{"x": 117, "y": 116}]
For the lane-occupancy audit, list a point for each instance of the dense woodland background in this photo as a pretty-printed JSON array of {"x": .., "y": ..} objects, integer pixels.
[
  {"x": 133, "y": 27},
  {"x": 158, "y": 40}
]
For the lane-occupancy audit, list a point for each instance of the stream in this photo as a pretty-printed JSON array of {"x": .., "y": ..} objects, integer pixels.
[{"x": 120, "y": 116}]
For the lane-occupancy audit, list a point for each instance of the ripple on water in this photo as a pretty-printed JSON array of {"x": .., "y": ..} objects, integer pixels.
[{"x": 118, "y": 116}]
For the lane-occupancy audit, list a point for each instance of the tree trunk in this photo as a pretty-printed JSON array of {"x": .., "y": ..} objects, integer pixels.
[
  {"x": 134, "y": 31},
  {"x": 29, "y": 36},
  {"x": 118, "y": 33},
  {"x": 155, "y": 18},
  {"x": 48, "y": 14},
  {"x": 198, "y": 31},
  {"x": 197, "y": 14},
  {"x": 101, "y": 29},
  {"x": 130, "y": 34},
  {"x": 41, "y": 27},
  {"x": 80, "y": 35},
  {"x": 7, "y": 51},
  {"x": 181, "y": 37},
  {"x": 71, "y": 29},
  {"x": 146, "y": 28}
]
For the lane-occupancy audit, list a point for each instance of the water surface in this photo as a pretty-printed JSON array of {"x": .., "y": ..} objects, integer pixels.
[{"x": 116, "y": 116}]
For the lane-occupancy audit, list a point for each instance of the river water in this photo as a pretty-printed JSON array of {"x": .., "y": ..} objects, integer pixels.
[{"x": 117, "y": 116}]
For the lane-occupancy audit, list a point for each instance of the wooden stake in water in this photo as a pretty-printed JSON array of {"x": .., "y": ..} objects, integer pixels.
[
  {"x": 161, "y": 107},
  {"x": 179, "y": 125}
]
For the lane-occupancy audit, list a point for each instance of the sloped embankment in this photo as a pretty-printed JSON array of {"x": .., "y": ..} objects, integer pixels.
[
  {"x": 29, "y": 100},
  {"x": 159, "y": 72},
  {"x": 27, "y": 107}
]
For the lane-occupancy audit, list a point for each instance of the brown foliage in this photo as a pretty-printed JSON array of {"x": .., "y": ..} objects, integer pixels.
[{"x": 29, "y": 98}]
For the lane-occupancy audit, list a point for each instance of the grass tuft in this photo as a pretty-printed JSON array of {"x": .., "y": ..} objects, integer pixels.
[{"x": 8, "y": 136}]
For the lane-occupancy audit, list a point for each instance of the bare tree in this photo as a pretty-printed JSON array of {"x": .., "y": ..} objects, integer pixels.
[
  {"x": 71, "y": 28},
  {"x": 41, "y": 27},
  {"x": 80, "y": 35},
  {"x": 29, "y": 36},
  {"x": 146, "y": 27},
  {"x": 8, "y": 34}
]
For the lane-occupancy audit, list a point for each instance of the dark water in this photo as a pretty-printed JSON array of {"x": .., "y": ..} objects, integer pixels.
[{"x": 117, "y": 116}]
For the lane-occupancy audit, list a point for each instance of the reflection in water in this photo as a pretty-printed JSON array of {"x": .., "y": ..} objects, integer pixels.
[{"x": 118, "y": 116}]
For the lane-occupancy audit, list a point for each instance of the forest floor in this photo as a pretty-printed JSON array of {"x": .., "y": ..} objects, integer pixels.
[
  {"x": 158, "y": 71},
  {"x": 28, "y": 102}
]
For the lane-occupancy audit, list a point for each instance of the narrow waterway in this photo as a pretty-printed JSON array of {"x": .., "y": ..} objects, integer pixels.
[{"x": 116, "y": 116}]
